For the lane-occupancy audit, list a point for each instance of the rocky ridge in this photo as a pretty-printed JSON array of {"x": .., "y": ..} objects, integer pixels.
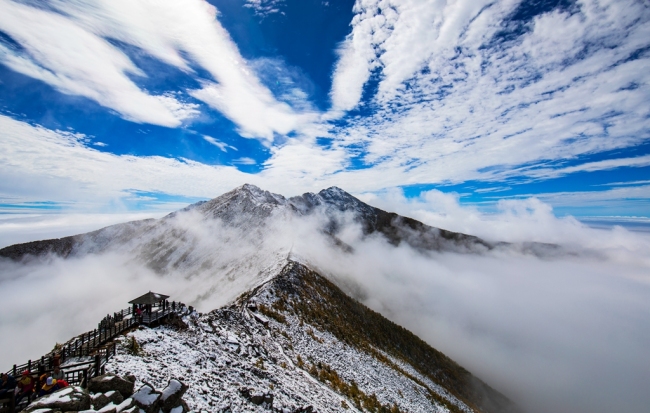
[{"x": 298, "y": 344}]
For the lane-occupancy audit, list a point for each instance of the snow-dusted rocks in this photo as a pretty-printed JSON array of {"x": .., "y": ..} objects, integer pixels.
[
  {"x": 68, "y": 399},
  {"x": 147, "y": 398},
  {"x": 101, "y": 400},
  {"x": 257, "y": 397},
  {"x": 172, "y": 395},
  {"x": 170, "y": 399},
  {"x": 110, "y": 382}
]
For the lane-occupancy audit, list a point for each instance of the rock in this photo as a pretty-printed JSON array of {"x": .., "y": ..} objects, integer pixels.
[
  {"x": 99, "y": 400},
  {"x": 126, "y": 405},
  {"x": 268, "y": 399},
  {"x": 175, "y": 321},
  {"x": 108, "y": 382},
  {"x": 68, "y": 399},
  {"x": 172, "y": 395},
  {"x": 147, "y": 398},
  {"x": 261, "y": 319},
  {"x": 109, "y": 408},
  {"x": 257, "y": 398},
  {"x": 114, "y": 396}
]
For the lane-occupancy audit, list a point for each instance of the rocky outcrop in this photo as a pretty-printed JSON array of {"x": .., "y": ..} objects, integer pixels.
[
  {"x": 168, "y": 400},
  {"x": 111, "y": 382},
  {"x": 104, "y": 395},
  {"x": 68, "y": 399}
]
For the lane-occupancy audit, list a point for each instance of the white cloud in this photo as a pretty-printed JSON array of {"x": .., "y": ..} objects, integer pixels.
[
  {"x": 38, "y": 164},
  {"x": 221, "y": 145},
  {"x": 69, "y": 50},
  {"x": 450, "y": 108},
  {"x": 77, "y": 61},
  {"x": 18, "y": 228},
  {"x": 635, "y": 162},
  {"x": 167, "y": 29},
  {"x": 515, "y": 220},
  {"x": 265, "y": 7},
  {"x": 244, "y": 161},
  {"x": 41, "y": 164}
]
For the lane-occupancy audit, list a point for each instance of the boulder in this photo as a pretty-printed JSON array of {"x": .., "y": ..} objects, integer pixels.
[
  {"x": 257, "y": 397},
  {"x": 108, "y": 382},
  {"x": 147, "y": 398},
  {"x": 172, "y": 395},
  {"x": 98, "y": 400},
  {"x": 114, "y": 396},
  {"x": 126, "y": 405},
  {"x": 68, "y": 399}
]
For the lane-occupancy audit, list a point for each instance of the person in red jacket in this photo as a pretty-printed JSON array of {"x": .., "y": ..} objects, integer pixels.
[{"x": 25, "y": 386}]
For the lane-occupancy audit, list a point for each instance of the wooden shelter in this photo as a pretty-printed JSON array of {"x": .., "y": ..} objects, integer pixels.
[{"x": 149, "y": 299}]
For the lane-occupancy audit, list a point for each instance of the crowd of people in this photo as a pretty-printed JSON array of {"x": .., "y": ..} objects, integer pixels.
[
  {"x": 29, "y": 384},
  {"x": 140, "y": 309},
  {"x": 109, "y": 321}
]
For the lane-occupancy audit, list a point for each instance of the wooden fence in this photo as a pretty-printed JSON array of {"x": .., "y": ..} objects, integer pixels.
[{"x": 90, "y": 351}]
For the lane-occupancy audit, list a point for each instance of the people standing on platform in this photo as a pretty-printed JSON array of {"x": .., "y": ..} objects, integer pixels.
[
  {"x": 7, "y": 385},
  {"x": 25, "y": 386}
]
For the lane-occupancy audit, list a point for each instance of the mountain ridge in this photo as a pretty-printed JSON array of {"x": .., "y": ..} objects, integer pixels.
[{"x": 250, "y": 202}]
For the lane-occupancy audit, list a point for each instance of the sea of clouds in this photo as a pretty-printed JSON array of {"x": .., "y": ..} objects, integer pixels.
[{"x": 563, "y": 333}]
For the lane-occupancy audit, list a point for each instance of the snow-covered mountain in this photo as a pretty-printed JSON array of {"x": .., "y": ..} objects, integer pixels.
[
  {"x": 280, "y": 326},
  {"x": 305, "y": 346},
  {"x": 229, "y": 244}
]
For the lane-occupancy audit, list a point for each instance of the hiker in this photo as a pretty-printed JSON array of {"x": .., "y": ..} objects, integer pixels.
[
  {"x": 25, "y": 386},
  {"x": 7, "y": 385},
  {"x": 49, "y": 387},
  {"x": 57, "y": 374}
]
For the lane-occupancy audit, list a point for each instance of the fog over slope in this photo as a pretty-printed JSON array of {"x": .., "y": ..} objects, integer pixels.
[{"x": 562, "y": 332}]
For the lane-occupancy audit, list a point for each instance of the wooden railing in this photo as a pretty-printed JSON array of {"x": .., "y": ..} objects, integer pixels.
[{"x": 90, "y": 348}]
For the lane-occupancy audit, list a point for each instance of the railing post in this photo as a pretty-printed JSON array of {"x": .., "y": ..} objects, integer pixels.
[
  {"x": 15, "y": 375},
  {"x": 29, "y": 366},
  {"x": 84, "y": 382},
  {"x": 97, "y": 365}
]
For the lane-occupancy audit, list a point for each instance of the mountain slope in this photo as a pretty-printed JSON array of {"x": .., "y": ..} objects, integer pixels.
[{"x": 300, "y": 338}]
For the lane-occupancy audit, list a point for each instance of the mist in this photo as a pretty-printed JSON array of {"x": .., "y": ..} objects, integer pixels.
[{"x": 563, "y": 333}]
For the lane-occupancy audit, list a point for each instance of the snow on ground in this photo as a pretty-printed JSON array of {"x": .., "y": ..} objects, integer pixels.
[{"x": 229, "y": 349}]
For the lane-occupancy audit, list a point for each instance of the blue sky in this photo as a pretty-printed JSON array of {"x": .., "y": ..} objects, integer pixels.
[{"x": 132, "y": 105}]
